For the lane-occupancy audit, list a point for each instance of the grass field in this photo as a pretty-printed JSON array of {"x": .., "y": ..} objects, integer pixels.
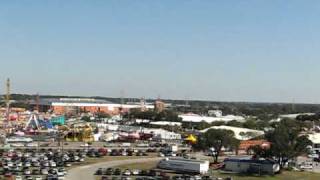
[
  {"x": 286, "y": 175},
  {"x": 89, "y": 161},
  {"x": 141, "y": 166}
]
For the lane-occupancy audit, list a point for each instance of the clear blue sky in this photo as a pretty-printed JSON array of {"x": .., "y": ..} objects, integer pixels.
[{"x": 259, "y": 50}]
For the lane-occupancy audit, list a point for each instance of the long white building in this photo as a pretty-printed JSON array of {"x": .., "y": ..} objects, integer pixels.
[
  {"x": 190, "y": 117},
  {"x": 239, "y": 133}
]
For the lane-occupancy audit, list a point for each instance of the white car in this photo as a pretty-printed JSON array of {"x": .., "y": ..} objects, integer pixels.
[
  {"x": 66, "y": 158},
  {"x": 32, "y": 145},
  {"x": 26, "y": 155},
  {"x": 172, "y": 154},
  {"x": 27, "y": 172},
  {"x": 126, "y": 178},
  {"x": 27, "y": 164},
  {"x": 19, "y": 178},
  {"x": 38, "y": 178},
  {"x": 68, "y": 164},
  {"x": 313, "y": 156},
  {"x": 10, "y": 164},
  {"x": 84, "y": 145},
  {"x": 53, "y": 164},
  {"x": 17, "y": 145},
  {"x": 60, "y": 173},
  {"x": 19, "y": 154},
  {"x": 76, "y": 158},
  {"x": 45, "y": 164},
  {"x": 306, "y": 166},
  {"x": 135, "y": 172},
  {"x": 127, "y": 172},
  {"x": 44, "y": 172}
]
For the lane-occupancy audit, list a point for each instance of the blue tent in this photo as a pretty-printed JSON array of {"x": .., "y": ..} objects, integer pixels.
[{"x": 46, "y": 123}]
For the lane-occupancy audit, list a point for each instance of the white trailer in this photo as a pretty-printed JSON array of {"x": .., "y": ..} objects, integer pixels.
[
  {"x": 184, "y": 165},
  {"x": 19, "y": 140},
  {"x": 173, "y": 148}
]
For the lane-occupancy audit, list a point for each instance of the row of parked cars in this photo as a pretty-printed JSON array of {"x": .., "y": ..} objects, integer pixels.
[
  {"x": 118, "y": 174},
  {"x": 115, "y": 152},
  {"x": 127, "y": 172},
  {"x": 42, "y": 164},
  {"x": 49, "y": 163}
]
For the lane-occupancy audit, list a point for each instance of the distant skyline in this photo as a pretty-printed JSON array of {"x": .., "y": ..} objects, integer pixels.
[{"x": 257, "y": 51}]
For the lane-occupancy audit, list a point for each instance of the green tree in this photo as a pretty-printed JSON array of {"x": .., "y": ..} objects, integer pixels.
[
  {"x": 250, "y": 124},
  {"x": 260, "y": 152},
  {"x": 234, "y": 123},
  {"x": 101, "y": 115},
  {"x": 202, "y": 125},
  {"x": 85, "y": 118},
  {"x": 286, "y": 141},
  {"x": 248, "y": 135},
  {"x": 218, "y": 138},
  {"x": 262, "y": 124}
]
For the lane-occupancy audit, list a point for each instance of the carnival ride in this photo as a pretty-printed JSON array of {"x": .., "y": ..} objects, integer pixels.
[
  {"x": 191, "y": 139},
  {"x": 82, "y": 132}
]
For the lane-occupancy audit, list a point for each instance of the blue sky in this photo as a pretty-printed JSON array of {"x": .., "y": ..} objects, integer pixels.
[{"x": 266, "y": 50}]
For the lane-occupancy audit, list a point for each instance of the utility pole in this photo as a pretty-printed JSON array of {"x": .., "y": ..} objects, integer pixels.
[
  {"x": 293, "y": 108},
  {"x": 122, "y": 103},
  {"x": 122, "y": 97},
  {"x": 38, "y": 102},
  {"x": 7, "y": 99}
]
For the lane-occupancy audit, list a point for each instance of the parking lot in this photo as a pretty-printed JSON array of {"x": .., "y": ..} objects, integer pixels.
[{"x": 54, "y": 164}]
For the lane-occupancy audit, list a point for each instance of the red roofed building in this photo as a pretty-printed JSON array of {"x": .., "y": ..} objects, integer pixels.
[{"x": 245, "y": 145}]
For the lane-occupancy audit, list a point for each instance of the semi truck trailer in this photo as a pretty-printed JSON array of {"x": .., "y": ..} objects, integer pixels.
[{"x": 184, "y": 165}]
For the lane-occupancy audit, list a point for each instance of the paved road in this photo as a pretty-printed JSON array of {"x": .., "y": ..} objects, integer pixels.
[{"x": 86, "y": 172}]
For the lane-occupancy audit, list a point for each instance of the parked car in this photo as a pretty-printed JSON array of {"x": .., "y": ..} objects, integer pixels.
[
  {"x": 19, "y": 178},
  {"x": 306, "y": 165},
  {"x": 117, "y": 172},
  {"x": 135, "y": 172},
  {"x": 44, "y": 172},
  {"x": 127, "y": 172},
  {"x": 27, "y": 172}
]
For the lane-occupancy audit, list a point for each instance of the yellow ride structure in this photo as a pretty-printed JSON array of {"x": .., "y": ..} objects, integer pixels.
[
  {"x": 78, "y": 133},
  {"x": 192, "y": 139}
]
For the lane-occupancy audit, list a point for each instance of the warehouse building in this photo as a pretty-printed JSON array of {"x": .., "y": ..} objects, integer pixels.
[
  {"x": 195, "y": 118},
  {"x": 77, "y": 105},
  {"x": 249, "y": 165},
  {"x": 239, "y": 133}
]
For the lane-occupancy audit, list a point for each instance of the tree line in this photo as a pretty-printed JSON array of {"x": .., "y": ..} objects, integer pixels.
[{"x": 287, "y": 142}]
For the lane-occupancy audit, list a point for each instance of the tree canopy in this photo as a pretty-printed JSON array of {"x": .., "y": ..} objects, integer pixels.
[
  {"x": 286, "y": 141},
  {"x": 166, "y": 115},
  {"x": 217, "y": 138}
]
